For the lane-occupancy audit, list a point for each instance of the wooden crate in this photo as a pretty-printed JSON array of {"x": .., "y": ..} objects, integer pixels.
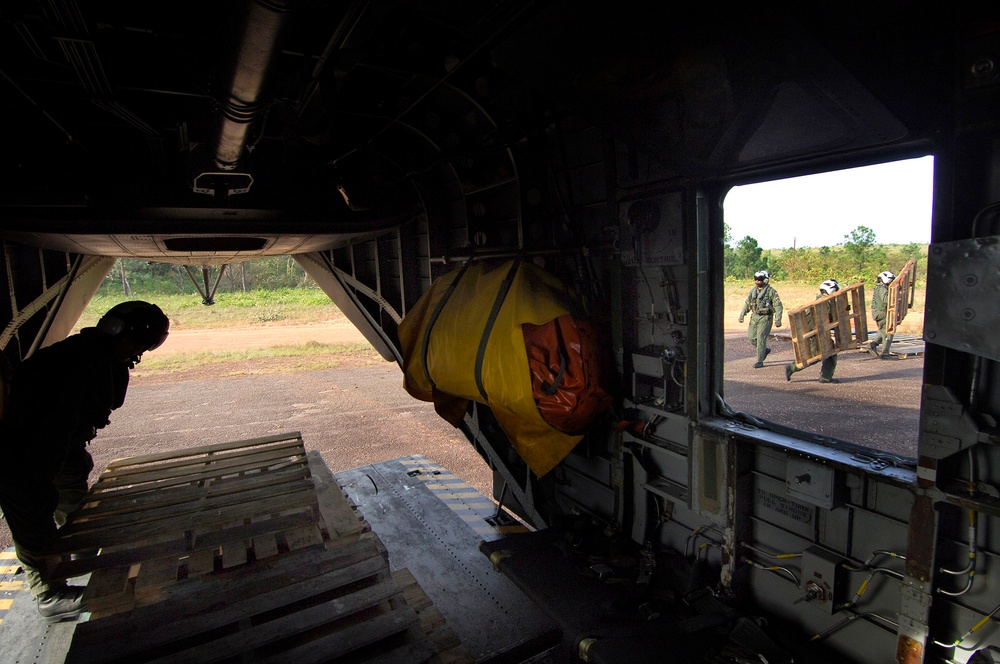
[
  {"x": 829, "y": 325},
  {"x": 247, "y": 550},
  {"x": 901, "y": 293}
]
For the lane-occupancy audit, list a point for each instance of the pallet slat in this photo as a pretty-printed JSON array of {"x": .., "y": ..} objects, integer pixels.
[{"x": 272, "y": 562}]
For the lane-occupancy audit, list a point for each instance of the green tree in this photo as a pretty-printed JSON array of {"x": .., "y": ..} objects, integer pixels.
[
  {"x": 728, "y": 254},
  {"x": 859, "y": 246},
  {"x": 748, "y": 255},
  {"x": 912, "y": 251}
]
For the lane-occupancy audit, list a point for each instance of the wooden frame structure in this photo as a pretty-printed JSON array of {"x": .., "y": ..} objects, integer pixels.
[
  {"x": 901, "y": 293},
  {"x": 828, "y": 325}
]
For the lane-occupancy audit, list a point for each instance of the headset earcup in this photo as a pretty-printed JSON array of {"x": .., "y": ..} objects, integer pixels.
[{"x": 111, "y": 325}]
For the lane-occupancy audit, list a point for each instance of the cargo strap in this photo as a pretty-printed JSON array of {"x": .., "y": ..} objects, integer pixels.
[
  {"x": 497, "y": 305},
  {"x": 425, "y": 343}
]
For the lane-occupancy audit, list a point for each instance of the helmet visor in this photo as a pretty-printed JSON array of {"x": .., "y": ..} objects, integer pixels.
[{"x": 157, "y": 341}]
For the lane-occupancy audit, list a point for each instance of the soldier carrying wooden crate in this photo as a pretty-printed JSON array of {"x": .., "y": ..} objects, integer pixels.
[
  {"x": 880, "y": 309},
  {"x": 829, "y": 363}
]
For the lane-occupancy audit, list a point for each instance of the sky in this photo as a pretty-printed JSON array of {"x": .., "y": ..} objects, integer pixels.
[{"x": 892, "y": 199}]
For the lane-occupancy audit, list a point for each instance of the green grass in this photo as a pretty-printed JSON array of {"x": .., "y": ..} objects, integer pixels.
[
  {"x": 240, "y": 310},
  {"x": 285, "y": 305},
  {"x": 311, "y": 355}
]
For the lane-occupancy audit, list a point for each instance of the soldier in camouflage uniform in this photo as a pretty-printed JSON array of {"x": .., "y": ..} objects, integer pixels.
[
  {"x": 880, "y": 312},
  {"x": 764, "y": 307}
]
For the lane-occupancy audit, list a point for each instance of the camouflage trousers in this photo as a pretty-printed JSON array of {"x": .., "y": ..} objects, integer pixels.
[
  {"x": 758, "y": 332},
  {"x": 882, "y": 337}
]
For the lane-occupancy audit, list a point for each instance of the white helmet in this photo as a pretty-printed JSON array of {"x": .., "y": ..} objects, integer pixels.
[
  {"x": 829, "y": 286},
  {"x": 886, "y": 277},
  {"x": 761, "y": 275}
]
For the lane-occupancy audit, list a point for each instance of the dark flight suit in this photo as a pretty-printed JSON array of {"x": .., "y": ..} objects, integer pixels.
[
  {"x": 58, "y": 399},
  {"x": 765, "y": 308}
]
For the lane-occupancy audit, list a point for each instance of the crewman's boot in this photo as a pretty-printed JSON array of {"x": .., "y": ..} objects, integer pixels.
[{"x": 63, "y": 604}]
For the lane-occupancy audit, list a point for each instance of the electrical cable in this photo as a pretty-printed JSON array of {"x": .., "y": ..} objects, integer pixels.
[
  {"x": 959, "y": 640},
  {"x": 697, "y": 532},
  {"x": 867, "y": 582},
  {"x": 776, "y": 556},
  {"x": 773, "y": 568},
  {"x": 970, "y": 566},
  {"x": 846, "y": 621}
]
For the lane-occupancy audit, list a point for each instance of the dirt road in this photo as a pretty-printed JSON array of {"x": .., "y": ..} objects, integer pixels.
[{"x": 339, "y": 331}]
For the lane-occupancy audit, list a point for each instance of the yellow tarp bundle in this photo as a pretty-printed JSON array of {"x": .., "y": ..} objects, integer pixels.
[{"x": 443, "y": 344}]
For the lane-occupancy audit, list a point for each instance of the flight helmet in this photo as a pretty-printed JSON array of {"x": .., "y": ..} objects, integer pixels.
[
  {"x": 145, "y": 322},
  {"x": 886, "y": 277},
  {"x": 762, "y": 275},
  {"x": 829, "y": 286}
]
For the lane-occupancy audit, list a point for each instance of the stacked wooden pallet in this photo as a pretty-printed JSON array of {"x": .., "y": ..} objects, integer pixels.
[{"x": 246, "y": 551}]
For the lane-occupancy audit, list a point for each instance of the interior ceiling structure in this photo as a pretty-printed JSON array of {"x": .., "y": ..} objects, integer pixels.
[{"x": 133, "y": 123}]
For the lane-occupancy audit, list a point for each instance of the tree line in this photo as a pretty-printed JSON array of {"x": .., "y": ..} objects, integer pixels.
[
  {"x": 130, "y": 276},
  {"x": 858, "y": 258}
]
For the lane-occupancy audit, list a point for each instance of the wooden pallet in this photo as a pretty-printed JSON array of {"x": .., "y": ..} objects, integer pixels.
[
  {"x": 829, "y": 325},
  {"x": 900, "y": 297},
  {"x": 907, "y": 345},
  {"x": 247, "y": 550}
]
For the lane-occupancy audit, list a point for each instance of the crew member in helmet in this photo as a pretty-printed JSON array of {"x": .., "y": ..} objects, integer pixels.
[
  {"x": 764, "y": 307},
  {"x": 880, "y": 312},
  {"x": 829, "y": 365},
  {"x": 59, "y": 397}
]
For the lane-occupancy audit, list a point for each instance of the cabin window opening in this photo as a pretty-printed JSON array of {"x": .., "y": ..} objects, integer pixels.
[{"x": 819, "y": 374}]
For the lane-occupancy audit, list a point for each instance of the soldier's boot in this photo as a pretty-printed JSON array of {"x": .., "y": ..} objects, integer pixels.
[{"x": 62, "y": 604}]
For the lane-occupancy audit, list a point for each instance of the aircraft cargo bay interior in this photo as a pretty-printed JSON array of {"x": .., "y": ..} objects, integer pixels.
[{"x": 706, "y": 445}]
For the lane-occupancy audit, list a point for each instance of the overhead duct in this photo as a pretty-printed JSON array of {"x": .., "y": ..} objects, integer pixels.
[{"x": 265, "y": 19}]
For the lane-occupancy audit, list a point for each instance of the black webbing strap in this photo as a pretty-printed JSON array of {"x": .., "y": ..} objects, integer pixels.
[
  {"x": 497, "y": 304},
  {"x": 549, "y": 390},
  {"x": 425, "y": 343}
]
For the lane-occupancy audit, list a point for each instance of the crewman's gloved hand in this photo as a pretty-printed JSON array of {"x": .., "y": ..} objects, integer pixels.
[
  {"x": 741, "y": 319},
  {"x": 778, "y": 323}
]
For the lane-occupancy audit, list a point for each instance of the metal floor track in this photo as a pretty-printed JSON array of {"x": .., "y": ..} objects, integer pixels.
[{"x": 432, "y": 524}]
